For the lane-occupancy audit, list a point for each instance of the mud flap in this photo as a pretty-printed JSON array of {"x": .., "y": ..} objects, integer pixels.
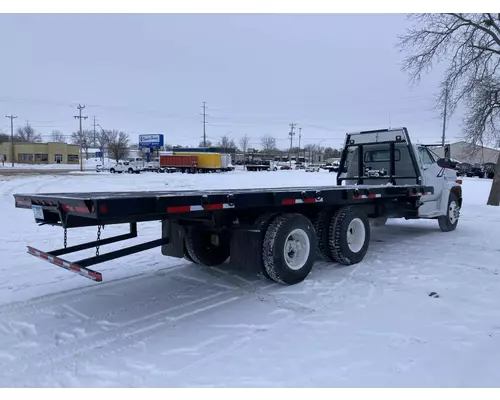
[
  {"x": 246, "y": 250},
  {"x": 175, "y": 234}
]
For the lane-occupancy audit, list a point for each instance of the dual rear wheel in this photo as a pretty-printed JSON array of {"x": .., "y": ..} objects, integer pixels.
[{"x": 292, "y": 243}]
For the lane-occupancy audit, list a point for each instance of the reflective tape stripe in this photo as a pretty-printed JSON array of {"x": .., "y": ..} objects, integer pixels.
[
  {"x": 87, "y": 273},
  {"x": 309, "y": 200},
  {"x": 367, "y": 196}
]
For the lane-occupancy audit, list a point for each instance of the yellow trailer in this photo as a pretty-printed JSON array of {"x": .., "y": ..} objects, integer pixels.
[{"x": 205, "y": 160}]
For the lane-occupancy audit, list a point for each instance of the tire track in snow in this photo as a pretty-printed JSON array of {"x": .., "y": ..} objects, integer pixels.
[
  {"x": 34, "y": 306},
  {"x": 339, "y": 290},
  {"x": 161, "y": 322},
  {"x": 88, "y": 321},
  {"x": 126, "y": 335}
]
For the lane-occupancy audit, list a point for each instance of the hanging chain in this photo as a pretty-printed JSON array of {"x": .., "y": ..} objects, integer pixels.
[
  {"x": 65, "y": 237},
  {"x": 98, "y": 239}
]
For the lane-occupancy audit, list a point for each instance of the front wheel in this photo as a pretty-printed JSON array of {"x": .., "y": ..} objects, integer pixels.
[
  {"x": 288, "y": 251},
  {"x": 449, "y": 222}
]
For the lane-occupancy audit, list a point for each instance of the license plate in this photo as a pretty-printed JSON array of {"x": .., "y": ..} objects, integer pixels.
[{"x": 37, "y": 212}]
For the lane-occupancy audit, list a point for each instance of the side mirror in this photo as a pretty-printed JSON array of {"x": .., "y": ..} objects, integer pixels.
[{"x": 446, "y": 163}]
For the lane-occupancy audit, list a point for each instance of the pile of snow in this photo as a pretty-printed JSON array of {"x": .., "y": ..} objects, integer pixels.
[{"x": 419, "y": 311}]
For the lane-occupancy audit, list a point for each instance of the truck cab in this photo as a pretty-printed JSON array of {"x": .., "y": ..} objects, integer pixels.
[
  {"x": 389, "y": 158},
  {"x": 126, "y": 166}
]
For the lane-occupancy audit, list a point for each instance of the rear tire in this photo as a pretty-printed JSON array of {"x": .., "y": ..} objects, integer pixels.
[
  {"x": 262, "y": 224},
  {"x": 288, "y": 251},
  {"x": 349, "y": 235},
  {"x": 449, "y": 222},
  {"x": 112, "y": 170},
  {"x": 321, "y": 226},
  {"x": 202, "y": 250}
]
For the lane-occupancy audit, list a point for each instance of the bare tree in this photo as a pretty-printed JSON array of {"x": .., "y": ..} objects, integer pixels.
[
  {"x": 268, "y": 143},
  {"x": 244, "y": 141},
  {"x": 226, "y": 142},
  {"x": 57, "y": 136},
  {"x": 83, "y": 139},
  {"x": 309, "y": 150},
  {"x": 168, "y": 147},
  {"x": 27, "y": 134},
  {"x": 471, "y": 45},
  {"x": 102, "y": 139},
  {"x": 4, "y": 137},
  {"x": 201, "y": 144},
  {"x": 118, "y": 145}
]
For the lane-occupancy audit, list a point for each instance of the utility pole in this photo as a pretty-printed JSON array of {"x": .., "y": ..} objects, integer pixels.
[
  {"x": 445, "y": 114},
  {"x": 80, "y": 108},
  {"x": 204, "y": 106},
  {"x": 292, "y": 134},
  {"x": 94, "y": 133},
  {"x": 300, "y": 136},
  {"x": 12, "y": 118}
]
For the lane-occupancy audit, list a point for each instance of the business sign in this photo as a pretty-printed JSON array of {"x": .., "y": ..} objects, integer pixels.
[{"x": 155, "y": 140}]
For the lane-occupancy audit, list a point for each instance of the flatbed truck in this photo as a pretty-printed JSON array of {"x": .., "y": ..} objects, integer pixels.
[{"x": 278, "y": 233}]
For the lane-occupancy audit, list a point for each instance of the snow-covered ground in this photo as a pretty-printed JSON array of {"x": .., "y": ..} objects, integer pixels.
[{"x": 157, "y": 321}]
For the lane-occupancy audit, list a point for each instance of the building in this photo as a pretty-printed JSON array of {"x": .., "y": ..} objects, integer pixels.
[
  {"x": 468, "y": 153},
  {"x": 40, "y": 153}
]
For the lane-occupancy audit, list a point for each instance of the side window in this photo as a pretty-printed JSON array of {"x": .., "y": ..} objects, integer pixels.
[{"x": 425, "y": 156}]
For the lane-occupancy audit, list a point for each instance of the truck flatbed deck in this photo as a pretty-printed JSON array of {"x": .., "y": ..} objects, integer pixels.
[
  {"x": 72, "y": 210},
  {"x": 277, "y": 232}
]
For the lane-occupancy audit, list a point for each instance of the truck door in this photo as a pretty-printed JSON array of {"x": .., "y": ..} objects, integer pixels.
[{"x": 433, "y": 174}]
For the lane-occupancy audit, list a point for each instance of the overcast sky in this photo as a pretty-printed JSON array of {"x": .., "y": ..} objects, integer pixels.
[{"x": 330, "y": 74}]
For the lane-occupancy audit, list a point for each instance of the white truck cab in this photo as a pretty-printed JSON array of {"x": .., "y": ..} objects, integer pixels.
[
  {"x": 126, "y": 166},
  {"x": 384, "y": 151}
]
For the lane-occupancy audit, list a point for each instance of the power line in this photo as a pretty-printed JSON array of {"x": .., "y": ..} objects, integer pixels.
[{"x": 11, "y": 117}]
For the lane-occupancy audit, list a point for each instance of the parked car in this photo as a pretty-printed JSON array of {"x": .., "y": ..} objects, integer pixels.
[
  {"x": 313, "y": 168},
  {"x": 476, "y": 170}
]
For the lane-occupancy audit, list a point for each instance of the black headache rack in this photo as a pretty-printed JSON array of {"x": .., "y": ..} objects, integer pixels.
[
  {"x": 72, "y": 210},
  {"x": 366, "y": 139}
]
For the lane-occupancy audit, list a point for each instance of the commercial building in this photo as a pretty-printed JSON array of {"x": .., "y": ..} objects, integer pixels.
[
  {"x": 40, "y": 153},
  {"x": 469, "y": 153}
]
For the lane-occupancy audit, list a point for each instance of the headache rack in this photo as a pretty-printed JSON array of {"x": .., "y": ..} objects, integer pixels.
[{"x": 389, "y": 137}]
